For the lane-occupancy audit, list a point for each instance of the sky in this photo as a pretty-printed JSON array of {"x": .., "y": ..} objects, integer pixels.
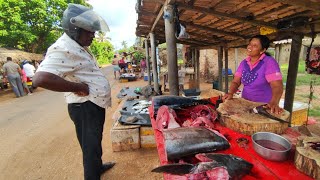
[{"x": 121, "y": 18}]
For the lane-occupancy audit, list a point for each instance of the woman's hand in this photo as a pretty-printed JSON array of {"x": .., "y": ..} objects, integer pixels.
[
  {"x": 227, "y": 96},
  {"x": 274, "y": 108}
]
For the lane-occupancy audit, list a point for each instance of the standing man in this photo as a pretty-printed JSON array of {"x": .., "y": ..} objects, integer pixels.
[
  {"x": 28, "y": 68},
  {"x": 12, "y": 72},
  {"x": 116, "y": 67},
  {"x": 70, "y": 67}
]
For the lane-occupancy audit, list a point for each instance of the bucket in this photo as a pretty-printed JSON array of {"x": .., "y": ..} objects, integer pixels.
[
  {"x": 299, "y": 115},
  {"x": 215, "y": 85}
]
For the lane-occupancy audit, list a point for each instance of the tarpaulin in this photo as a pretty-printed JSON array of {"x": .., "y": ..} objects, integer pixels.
[{"x": 262, "y": 169}]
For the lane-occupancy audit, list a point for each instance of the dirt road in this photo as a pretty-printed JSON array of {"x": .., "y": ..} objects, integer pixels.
[{"x": 38, "y": 140}]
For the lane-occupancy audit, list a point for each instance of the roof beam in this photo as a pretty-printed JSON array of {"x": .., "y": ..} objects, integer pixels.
[
  {"x": 189, "y": 41},
  {"x": 223, "y": 15},
  {"x": 314, "y": 6},
  {"x": 213, "y": 30},
  {"x": 153, "y": 1},
  {"x": 160, "y": 14},
  {"x": 147, "y": 13}
]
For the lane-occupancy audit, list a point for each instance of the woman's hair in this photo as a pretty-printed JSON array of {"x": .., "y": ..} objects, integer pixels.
[{"x": 264, "y": 41}]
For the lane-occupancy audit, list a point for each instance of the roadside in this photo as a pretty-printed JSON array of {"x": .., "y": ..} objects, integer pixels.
[{"x": 40, "y": 140}]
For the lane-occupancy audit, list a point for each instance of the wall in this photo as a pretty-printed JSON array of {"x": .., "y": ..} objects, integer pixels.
[{"x": 209, "y": 62}]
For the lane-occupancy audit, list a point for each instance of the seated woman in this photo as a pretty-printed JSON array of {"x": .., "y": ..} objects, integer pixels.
[{"x": 260, "y": 75}]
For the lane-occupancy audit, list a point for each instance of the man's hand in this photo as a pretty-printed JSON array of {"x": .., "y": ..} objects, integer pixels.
[{"x": 84, "y": 91}]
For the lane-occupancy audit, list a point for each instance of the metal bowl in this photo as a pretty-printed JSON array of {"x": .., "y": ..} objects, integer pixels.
[{"x": 271, "y": 146}]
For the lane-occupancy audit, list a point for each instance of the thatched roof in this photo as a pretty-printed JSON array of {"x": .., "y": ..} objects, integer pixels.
[
  {"x": 230, "y": 22},
  {"x": 18, "y": 55}
]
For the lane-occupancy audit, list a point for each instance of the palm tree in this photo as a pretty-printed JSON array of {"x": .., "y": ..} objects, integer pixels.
[{"x": 124, "y": 45}]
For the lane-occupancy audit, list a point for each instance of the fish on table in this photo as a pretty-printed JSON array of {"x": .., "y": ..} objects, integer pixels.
[
  {"x": 176, "y": 102},
  {"x": 185, "y": 141},
  {"x": 211, "y": 166}
]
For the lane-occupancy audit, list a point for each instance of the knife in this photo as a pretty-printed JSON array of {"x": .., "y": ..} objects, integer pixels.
[{"x": 262, "y": 110}]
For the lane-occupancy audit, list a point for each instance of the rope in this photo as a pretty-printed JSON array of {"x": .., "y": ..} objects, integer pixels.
[{"x": 310, "y": 96}]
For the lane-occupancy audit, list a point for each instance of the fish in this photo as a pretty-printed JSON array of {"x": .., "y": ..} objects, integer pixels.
[
  {"x": 176, "y": 102},
  {"x": 211, "y": 166},
  {"x": 262, "y": 110},
  {"x": 185, "y": 141},
  {"x": 166, "y": 118},
  {"x": 236, "y": 166}
]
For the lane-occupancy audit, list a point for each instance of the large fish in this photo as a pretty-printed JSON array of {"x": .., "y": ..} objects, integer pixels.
[
  {"x": 212, "y": 166},
  {"x": 176, "y": 102},
  {"x": 185, "y": 141}
]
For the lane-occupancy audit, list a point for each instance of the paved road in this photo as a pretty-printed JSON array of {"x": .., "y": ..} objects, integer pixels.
[{"x": 38, "y": 140}]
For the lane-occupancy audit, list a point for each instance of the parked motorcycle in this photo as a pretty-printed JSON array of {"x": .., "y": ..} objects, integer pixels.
[{"x": 29, "y": 84}]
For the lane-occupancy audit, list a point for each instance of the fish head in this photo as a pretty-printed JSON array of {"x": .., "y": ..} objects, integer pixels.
[{"x": 236, "y": 166}]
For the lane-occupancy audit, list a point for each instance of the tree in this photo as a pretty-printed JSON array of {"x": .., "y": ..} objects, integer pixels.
[
  {"x": 31, "y": 25},
  {"x": 103, "y": 51},
  {"x": 124, "y": 45}
]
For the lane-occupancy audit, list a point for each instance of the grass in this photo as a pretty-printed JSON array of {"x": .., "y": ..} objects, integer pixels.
[
  {"x": 315, "y": 111},
  {"x": 305, "y": 96},
  {"x": 303, "y": 78},
  {"x": 301, "y": 67}
]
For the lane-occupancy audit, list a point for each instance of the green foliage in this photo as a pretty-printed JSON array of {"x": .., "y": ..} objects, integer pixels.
[
  {"x": 180, "y": 61},
  {"x": 163, "y": 46},
  {"x": 31, "y": 25},
  {"x": 314, "y": 112},
  {"x": 138, "y": 55},
  {"x": 103, "y": 51},
  {"x": 137, "y": 52}
]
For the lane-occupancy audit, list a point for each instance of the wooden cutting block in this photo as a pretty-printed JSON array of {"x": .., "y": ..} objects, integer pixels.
[
  {"x": 306, "y": 158},
  {"x": 236, "y": 114}
]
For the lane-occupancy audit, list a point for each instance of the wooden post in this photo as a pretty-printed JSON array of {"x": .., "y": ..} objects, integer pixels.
[
  {"x": 171, "y": 51},
  {"x": 154, "y": 64},
  {"x": 220, "y": 55},
  {"x": 277, "y": 53},
  {"x": 226, "y": 75},
  {"x": 197, "y": 57},
  {"x": 236, "y": 60},
  {"x": 193, "y": 61},
  {"x": 148, "y": 61},
  {"x": 292, "y": 72}
]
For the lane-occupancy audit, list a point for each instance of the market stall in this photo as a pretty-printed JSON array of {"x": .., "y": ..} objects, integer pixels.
[
  {"x": 132, "y": 126},
  {"x": 241, "y": 145}
]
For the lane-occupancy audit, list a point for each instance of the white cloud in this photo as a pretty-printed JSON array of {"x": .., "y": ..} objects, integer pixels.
[{"x": 121, "y": 18}]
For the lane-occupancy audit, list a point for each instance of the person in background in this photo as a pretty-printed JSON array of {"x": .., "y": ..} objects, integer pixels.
[
  {"x": 122, "y": 64},
  {"x": 70, "y": 67},
  {"x": 116, "y": 67},
  {"x": 3, "y": 81},
  {"x": 12, "y": 72},
  {"x": 260, "y": 75},
  {"x": 28, "y": 68},
  {"x": 24, "y": 81},
  {"x": 143, "y": 66}
]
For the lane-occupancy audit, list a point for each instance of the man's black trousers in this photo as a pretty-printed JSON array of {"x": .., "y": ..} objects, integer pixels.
[{"x": 89, "y": 119}]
